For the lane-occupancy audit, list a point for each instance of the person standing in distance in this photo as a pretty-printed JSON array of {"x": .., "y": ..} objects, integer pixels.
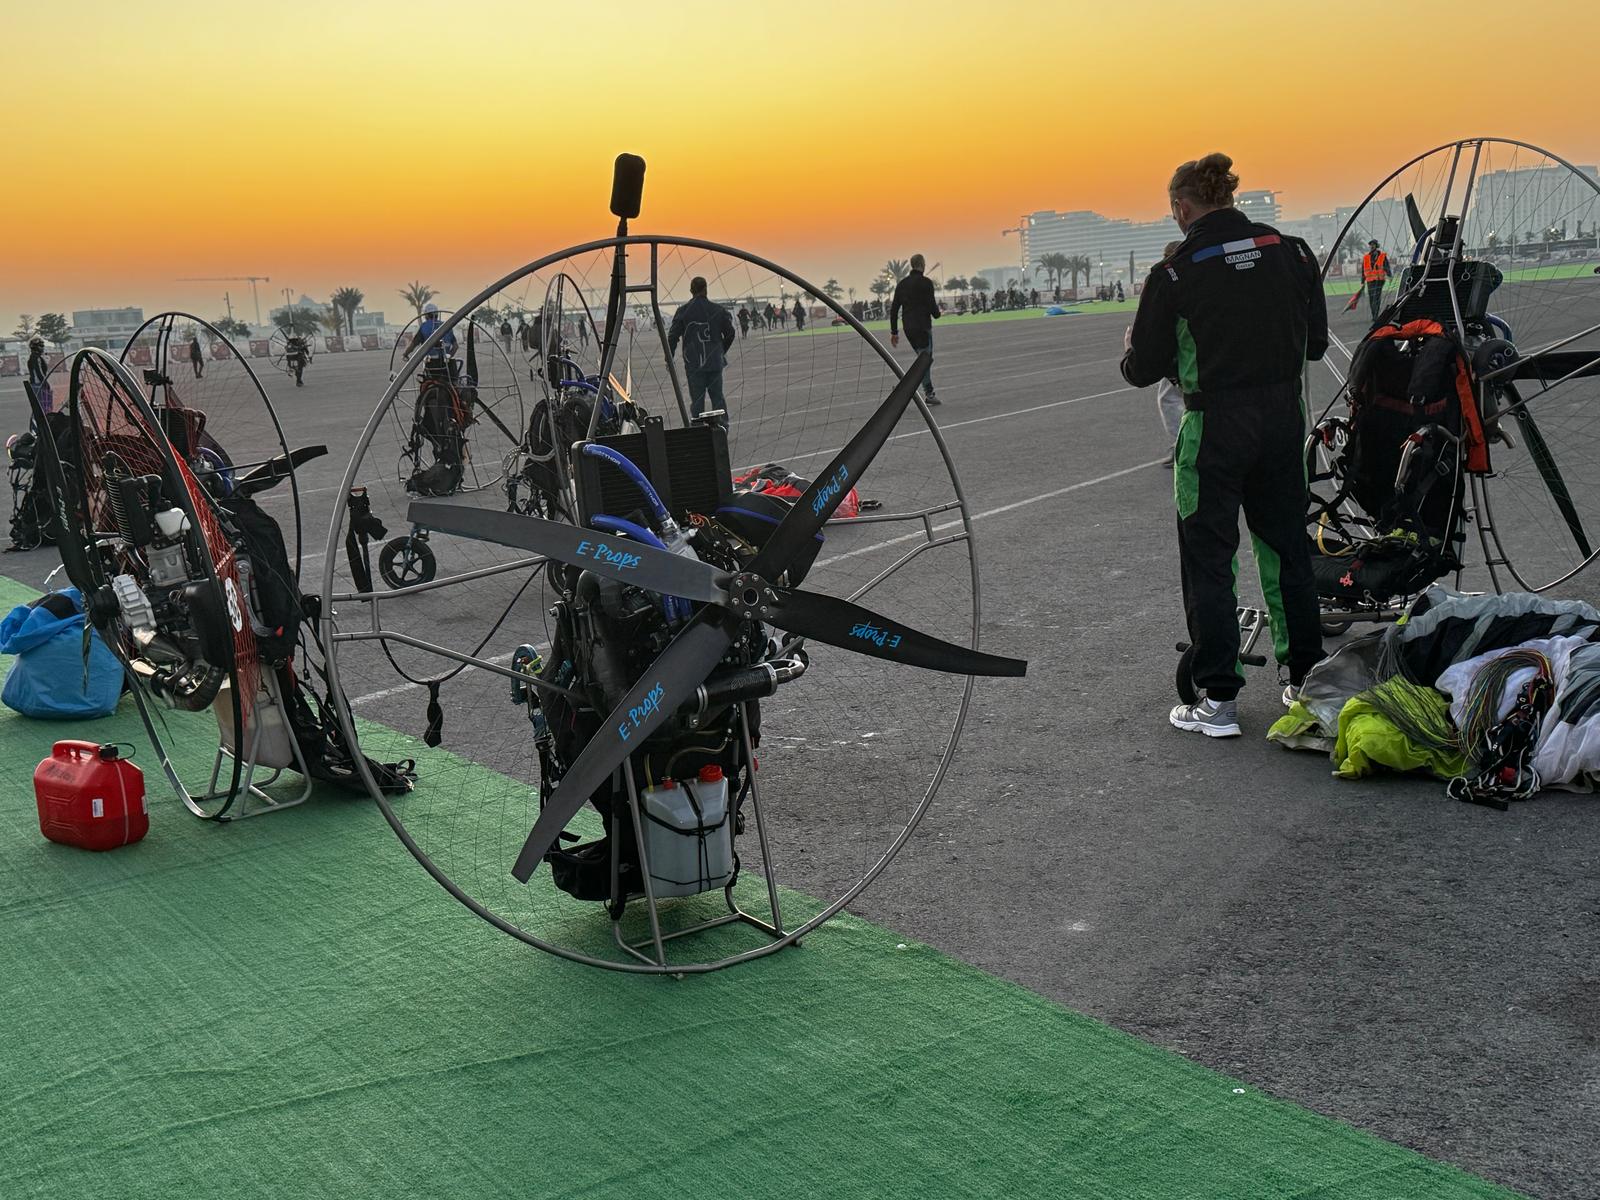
[
  {"x": 1234, "y": 315},
  {"x": 39, "y": 374},
  {"x": 197, "y": 360},
  {"x": 706, "y": 331},
  {"x": 1375, "y": 272},
  {"x": 431, "y": 320},
  {"x": 914, "y": 296}
]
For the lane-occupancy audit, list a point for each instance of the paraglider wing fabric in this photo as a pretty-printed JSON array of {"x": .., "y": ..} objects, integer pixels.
[
  {"x": 1456, "y": 627},
  {"x": 1569, "y": 740},
  {"x": 1370, "y": 736},
  {"x": 1565, "y": 753},
  {"x": 1299, "y": 729},
  {"x": 1351, "y": 669}
]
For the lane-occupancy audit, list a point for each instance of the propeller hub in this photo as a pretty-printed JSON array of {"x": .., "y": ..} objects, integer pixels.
[{"x": 749, "y": 595}]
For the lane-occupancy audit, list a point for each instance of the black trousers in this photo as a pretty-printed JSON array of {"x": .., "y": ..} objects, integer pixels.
[
  {"x": 1375, "y": 298},
  {"x": 1245, "y": 454}
]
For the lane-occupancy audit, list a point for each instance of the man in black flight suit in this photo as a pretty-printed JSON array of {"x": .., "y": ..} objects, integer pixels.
[{"x": 1234, "y": 315}]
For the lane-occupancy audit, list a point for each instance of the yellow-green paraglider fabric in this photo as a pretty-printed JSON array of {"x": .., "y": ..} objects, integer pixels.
[{"x": 1368, "y": 740}]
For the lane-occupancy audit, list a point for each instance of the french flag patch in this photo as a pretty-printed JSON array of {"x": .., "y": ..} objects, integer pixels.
[{"x": 1240, "y": 252}]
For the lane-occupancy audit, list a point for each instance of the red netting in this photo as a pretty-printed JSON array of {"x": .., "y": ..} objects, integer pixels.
[{"x": 118, "y": 436}]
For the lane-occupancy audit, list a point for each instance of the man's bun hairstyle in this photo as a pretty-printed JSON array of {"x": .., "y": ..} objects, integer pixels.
[{"x": 1208, "y": 181}]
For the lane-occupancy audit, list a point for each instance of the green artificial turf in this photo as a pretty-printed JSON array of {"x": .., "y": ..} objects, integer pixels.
[{"x": 289, "y": 1007}]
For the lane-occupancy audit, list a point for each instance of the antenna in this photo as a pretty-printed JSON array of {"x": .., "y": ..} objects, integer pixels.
[{"x": 252, "y": 280}]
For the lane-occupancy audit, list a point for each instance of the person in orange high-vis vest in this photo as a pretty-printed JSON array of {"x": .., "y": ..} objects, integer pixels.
[{"x": 1375, "y": 273}]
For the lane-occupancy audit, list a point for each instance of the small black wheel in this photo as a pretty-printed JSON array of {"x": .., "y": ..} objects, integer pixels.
[
  {"x": 1335, "y": 628},
  {"x": 1184, "y": 677},
  {"x": 406, "y": 561}
]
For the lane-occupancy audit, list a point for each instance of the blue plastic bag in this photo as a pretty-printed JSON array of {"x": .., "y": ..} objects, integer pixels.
[{"x": 46, "y": 681}]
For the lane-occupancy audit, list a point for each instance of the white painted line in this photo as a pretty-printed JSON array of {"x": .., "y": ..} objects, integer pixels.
[
  {"x": 988, "y": 512},
  {"x": 400, "y": 689},
  {"x": 1019, "y": 412}
]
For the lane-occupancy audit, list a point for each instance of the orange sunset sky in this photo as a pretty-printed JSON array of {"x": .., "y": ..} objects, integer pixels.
[{"x": 368, "y": 144}]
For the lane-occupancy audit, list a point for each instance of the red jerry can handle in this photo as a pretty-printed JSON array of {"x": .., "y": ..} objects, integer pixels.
[{"x": 73, "y": 748}]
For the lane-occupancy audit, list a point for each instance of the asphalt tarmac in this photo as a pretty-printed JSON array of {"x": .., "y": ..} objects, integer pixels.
[{"x": 1370, "y": 950}]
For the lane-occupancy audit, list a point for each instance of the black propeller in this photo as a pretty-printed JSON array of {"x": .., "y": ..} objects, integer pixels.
[
  {"x": 1419, "y": 227},
  {"x": 654, "y": 570},
  {"x": 851, "y": 627},
  {"x": 811, "y": 512},
  {"x": 275, "y": 470},
  {"x": 670, "y": 681},
  {"x": 72, "y": 540},
  {"x": 701, "y": 644}
]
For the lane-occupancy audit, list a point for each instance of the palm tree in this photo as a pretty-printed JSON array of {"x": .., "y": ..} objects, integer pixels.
[
  {"x": 347, "y": 300},
  {"x": 417, "y": 294},
  {"x": 895, "y": 270},
  {"x": 294, "y": 319},
  {"x": 881, "y": 286},
  {"x": 332, "y": 320},
  {"x": 1080, "y": 264},
  {"x": 978, "y": 283},
  {"x": 1055, "y": 265},
  {"x": 832, "y": 289}
]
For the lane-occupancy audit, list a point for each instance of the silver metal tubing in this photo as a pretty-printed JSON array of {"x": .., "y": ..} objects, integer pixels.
[{"x": 442, "y": 581}]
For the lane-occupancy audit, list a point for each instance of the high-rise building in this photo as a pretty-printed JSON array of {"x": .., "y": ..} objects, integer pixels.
[
  {"x": 1107, "y": 242},
  {"x": 1261, "y": 206},
  {"x": 1532, "y": 205}
]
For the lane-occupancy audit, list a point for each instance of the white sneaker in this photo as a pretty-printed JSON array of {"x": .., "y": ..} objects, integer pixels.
[
  {"x": 1214, "y": 718},
  {"x": 1291, "y": 693}
]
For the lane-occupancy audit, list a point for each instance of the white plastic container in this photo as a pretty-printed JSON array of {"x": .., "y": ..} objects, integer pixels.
[
  {"x": 688, "y": 835},
  {"x": 275, "y": 750}
]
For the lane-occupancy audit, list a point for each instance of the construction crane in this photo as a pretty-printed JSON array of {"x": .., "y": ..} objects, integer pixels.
[{"x": 252, "y": 280}]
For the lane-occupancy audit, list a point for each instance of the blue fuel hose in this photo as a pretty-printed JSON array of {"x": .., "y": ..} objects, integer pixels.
[{"x": 674, "y": 607}]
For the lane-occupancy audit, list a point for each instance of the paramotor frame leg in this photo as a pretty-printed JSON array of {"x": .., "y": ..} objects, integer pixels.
[
  {"x": 250, "y": 788},
  {"x": 658, "y": 939}
]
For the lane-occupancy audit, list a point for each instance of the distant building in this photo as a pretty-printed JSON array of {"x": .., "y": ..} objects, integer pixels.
[
  {"x": 1318, "y": 231},
  {"x": 1261, "y": 206},
  {"x": 369, "y": 322},
  {"x": 1106, "y": 241},
  {"x": 998, "y": 277},
  {"x": 106, "y": 328},
  {"x": 305, "y": 302},
  {"x": 1532, "y": 205}
]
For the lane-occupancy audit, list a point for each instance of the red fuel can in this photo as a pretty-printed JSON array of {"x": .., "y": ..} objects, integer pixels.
[{"x": 90, "y": 796}]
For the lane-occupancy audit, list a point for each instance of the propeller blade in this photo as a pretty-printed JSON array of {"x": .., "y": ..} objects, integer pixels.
[
  {"x": 472, "y": 349},
  {"x": 670, "y": 681},
  {"x": 655, "y": 570},
  {"x": 1558, "y": 364},
  {"x": 276, "y": 470},
  {"x": 71, "y": 541},
  {"x": 1539, "y": 451},
  {"x": 811, "y": 512},
  {"x": 851, "y": 627},
  {"x": 1419, "y": 227}
]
